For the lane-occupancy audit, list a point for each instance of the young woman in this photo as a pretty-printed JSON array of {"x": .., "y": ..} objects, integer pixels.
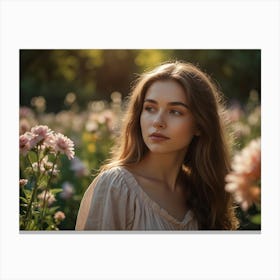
[{"x": 169, "y": 166}]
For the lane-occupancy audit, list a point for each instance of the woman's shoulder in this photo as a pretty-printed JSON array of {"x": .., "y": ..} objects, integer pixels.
[
  {"x": 111, "y": 172},
  {"x": 108, "y": 202},
  {"x": 113, "y": 178}
]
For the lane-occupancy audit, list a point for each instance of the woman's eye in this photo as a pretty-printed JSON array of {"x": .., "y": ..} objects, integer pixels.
[
  {"x": 176, "y": 113},
  {"x": 149, "y": 109}
]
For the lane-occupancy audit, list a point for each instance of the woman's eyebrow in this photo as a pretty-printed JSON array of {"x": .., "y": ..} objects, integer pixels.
[{"x": 173, "y": 103}]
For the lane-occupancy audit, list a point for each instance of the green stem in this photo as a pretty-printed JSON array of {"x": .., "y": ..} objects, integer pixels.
[
  {"x": 27, "y": 214},
  {"x": 29, "y": 160},
  {"x": 47, "y": 191}
]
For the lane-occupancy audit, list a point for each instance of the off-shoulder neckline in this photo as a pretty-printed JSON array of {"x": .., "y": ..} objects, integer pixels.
[{"x": 163, "y": 212}]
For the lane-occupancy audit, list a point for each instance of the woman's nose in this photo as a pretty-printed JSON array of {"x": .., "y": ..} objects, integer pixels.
[{"x": 159, "y": 122}]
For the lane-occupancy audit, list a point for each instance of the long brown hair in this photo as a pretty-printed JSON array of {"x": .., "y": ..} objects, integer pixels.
[{"x": 207, "y": 160}]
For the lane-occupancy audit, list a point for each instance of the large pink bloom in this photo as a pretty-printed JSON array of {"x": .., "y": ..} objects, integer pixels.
[
  {"x": 64, "y": 145},
  {"x": 46, "y": 138},
  {"x": 40, "y": 133},
  {"x": 243, "y": 181}
]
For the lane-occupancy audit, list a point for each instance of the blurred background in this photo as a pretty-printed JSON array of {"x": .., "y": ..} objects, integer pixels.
[{"x": 81, "y": 93}]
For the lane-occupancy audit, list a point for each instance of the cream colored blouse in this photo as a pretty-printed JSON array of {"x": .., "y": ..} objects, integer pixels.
[{"x": 115, "y": 201}]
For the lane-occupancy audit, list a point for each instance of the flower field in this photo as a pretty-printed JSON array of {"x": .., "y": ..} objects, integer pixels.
[{"x": 60, "y": 154}]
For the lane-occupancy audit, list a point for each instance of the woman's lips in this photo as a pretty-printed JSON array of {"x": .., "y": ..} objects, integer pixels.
[{"x": 158, "y": 137}]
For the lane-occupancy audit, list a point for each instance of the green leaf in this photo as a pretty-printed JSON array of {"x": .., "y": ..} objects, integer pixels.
[
  {"x": 24, "y": 199},
  {"x": 55, "y": 191},
  {"x": 28, "y": 171},
  {"x": 27, "y": 193},
  {"x": 24, "y": 205},
  {"x": 52, "y": 210},
  {"x": 43, "y": 181},
  {"x": 33, "y": 157},
  {"x": 41, "y": 155}
]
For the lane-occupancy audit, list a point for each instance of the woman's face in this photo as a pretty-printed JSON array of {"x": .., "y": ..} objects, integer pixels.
[{"x": 167, "y": 124}]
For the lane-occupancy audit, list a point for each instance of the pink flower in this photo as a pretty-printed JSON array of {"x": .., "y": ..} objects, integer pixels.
[
  {"x": 48, "y": 196},
  {"x": 49, "y": 141},
  {"x": 40, "y": 133},
  {"x": 243, "y": 181},
  {"x": 64, "y": 145},
  {"x": 59, "y": 216},
  {"x": 249, "y": 160},
  {"x": 24, "y": 143},
  {"x": 23, "y": 182},
  {"x": 245, "y": 191}
]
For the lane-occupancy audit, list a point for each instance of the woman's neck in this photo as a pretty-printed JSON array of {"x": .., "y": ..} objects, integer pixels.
[{"x": 164, "y": 168}]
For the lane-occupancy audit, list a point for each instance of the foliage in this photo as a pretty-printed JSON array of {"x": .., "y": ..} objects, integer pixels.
[{"x": 95, "y": 74}]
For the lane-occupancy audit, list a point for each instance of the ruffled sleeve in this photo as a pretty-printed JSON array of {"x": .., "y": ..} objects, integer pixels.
[{"x": 107, "y": 204}]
